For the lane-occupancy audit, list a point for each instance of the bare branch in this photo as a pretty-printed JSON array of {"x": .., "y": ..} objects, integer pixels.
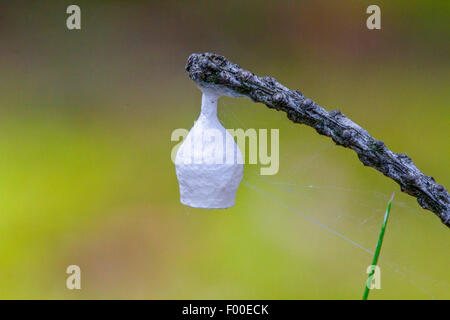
[{"x": 215, "y": 71}]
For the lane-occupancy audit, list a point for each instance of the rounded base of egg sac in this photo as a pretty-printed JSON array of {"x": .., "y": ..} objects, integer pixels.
[{"x": 212, "y": 186}]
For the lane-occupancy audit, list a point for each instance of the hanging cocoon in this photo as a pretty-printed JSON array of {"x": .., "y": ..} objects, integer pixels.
[{"x": 209, "y": 164}]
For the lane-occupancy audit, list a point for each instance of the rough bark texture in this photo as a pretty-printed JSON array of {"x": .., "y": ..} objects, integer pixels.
[{"x": 215, "y": 71}]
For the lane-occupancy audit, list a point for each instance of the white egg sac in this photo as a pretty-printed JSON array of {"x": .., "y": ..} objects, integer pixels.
[{"x": 209, "y": 163}]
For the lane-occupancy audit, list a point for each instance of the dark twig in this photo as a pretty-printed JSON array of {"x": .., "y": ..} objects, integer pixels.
[{"x": 215, "y": 71}]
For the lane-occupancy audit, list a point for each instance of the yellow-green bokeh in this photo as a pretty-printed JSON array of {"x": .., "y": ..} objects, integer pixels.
[{"x": 85, "y": 171}]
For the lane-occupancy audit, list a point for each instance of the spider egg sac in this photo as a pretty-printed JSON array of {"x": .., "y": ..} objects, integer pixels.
[{"x": 209, "y": 163}]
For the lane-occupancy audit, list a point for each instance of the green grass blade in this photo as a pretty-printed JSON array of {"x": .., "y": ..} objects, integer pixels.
[{"x": 378, "y": 249}]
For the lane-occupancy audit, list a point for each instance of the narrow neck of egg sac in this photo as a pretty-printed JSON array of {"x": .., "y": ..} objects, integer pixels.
[{"x": 209, "y": 105}]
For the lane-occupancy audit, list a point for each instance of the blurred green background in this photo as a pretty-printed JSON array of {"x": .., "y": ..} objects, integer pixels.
[{"x": 85, "y": 172}]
